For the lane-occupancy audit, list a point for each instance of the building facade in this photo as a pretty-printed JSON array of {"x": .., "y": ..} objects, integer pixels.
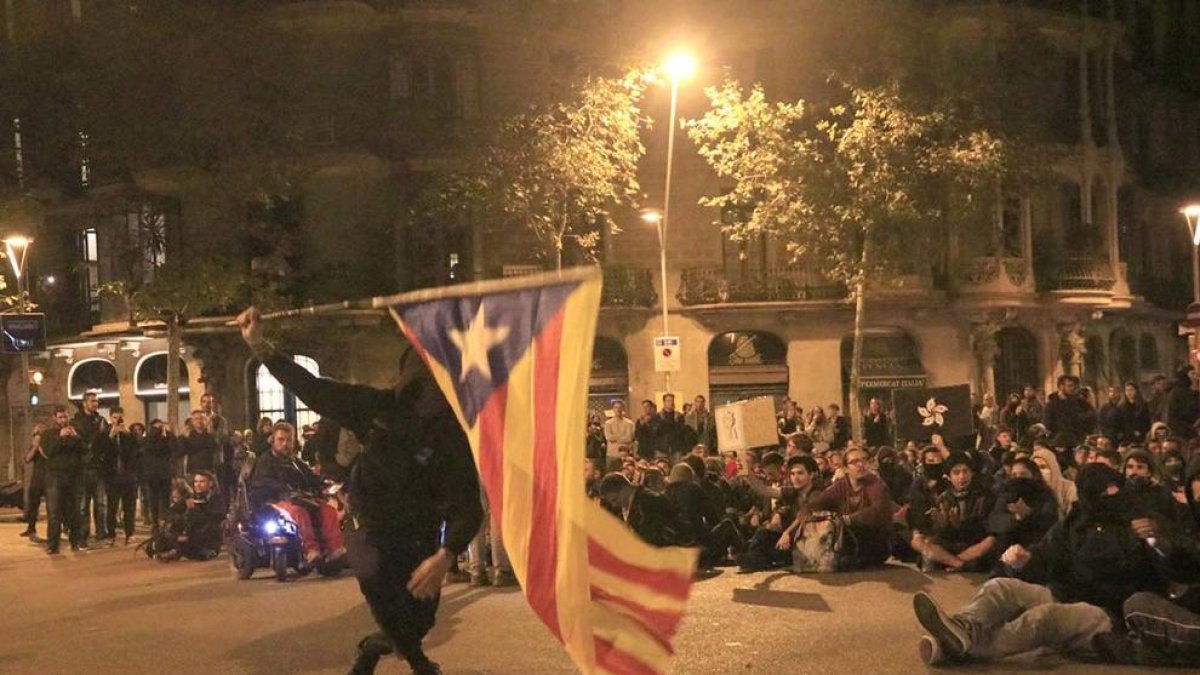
[{"x": 1090, "y": 275}]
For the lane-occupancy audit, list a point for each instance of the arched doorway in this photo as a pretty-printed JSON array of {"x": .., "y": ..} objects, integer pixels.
[
  {"x": 95, "y": 376},
  {"x": 150, "y": 385},
  {"x": 609, "y": 378},
  {"x": 1148, "y": 354},
  {"x": 747, "y": 364},
  {"x": 890, "y": 361},
  {"x": 1016, "y": 362}
]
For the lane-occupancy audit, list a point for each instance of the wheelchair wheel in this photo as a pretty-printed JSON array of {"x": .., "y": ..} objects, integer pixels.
[{"x": 279, "y": 563}]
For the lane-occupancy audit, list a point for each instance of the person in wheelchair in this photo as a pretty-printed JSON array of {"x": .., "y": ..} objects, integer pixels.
[{"x": 281, "y": 479}]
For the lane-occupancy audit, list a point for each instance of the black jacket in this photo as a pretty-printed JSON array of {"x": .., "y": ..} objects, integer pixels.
[
  {"x": 121, "y": 457},
  {"x": 653, "y": 518},
  {"x": 202, "y": 451},
  {"x": 1031, "y": 529},
  {"x": 64, "y": 454},
  {"x": 694, "y": 516},
  {"x": 416, "y": 470},
  {"x": 155, "y": 460},
  {"x": 876, "y": 430},
  {"x": 1072, "y": 416},
  {"x": 274, "y": 476},
  {"x": 92, "y": 430}
]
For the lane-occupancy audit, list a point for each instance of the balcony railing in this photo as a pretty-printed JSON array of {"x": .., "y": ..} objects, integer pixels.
[
  {"x": 1081, "y": 274},
  {"x": 628, "y": 287},
  {"x": 792, "y": 283}
]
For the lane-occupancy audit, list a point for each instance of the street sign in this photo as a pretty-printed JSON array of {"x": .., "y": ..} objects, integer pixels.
[
  {"x": 666, "y": 354},
  {"x": 23, "y": 333}
]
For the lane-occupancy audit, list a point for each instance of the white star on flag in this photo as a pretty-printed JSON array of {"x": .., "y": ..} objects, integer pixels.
[{"x": 475, "y": 342}]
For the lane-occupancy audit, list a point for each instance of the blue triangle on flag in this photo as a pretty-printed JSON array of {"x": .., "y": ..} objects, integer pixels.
[{"x": 482, "y": 336}]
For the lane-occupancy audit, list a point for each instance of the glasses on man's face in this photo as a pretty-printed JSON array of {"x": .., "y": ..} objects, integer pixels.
[{"x": 857, "y": 462}]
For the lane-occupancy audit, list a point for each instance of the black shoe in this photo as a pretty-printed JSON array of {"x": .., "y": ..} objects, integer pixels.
[
  {"x": 954, "y": 638},
  {"x": 426, "y": 667},
  {"x": 30, "y": 532},
  {"x": 370, "y": 650},
  {"x": 52, "y": 550}
]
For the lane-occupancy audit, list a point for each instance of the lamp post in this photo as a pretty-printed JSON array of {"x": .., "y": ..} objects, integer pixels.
[
  {"x": 1191, "y": 213},
  {"x": 678, "y": 66},
  {"x": 17, "y": 247}
]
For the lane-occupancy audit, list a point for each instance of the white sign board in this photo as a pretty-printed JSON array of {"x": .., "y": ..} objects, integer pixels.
[
  {"x": 666, "y": 354},
  {"x": 746, "y": 424}
]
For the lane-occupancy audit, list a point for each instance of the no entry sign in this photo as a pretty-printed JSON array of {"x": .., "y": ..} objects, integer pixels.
[{"x": 666, "y": 354}]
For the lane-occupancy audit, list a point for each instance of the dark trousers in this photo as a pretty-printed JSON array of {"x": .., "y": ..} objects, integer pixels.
[
  {"x": 122, "y": 494},
  {"x": 156, "y": 499},
  {"x": 33, "y": 502},
  {"x": 383, "y": 564},
  {"x": 93, "y": 500},
  {"x": 61, "y": 508}
]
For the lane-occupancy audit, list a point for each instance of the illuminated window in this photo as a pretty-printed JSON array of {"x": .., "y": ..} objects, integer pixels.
[{"x": 279, "y": 404}]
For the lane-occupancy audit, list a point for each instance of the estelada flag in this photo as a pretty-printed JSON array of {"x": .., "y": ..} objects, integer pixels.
[
  {"x": 920, "y": 413},
  {"x": 513, "y": 358}
]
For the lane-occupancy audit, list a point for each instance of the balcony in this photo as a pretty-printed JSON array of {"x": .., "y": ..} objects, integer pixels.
[
  {"x": 628, "y": 287},
  {"x": 791, "y": 283},
  {"x": 1081, "y": 281},
  {"x": 985, "y": 279}
]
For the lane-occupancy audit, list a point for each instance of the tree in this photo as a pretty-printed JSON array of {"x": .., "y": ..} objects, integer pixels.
[
  {"x": 558, "y": 171},
  {"x": 857, "y": 186}
]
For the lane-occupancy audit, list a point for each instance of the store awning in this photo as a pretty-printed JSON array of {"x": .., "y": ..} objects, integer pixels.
[{"x": 889, "y": 360}]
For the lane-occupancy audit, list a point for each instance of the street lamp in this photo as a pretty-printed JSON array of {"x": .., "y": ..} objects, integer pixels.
[
  {"x": 1191, "y": 212},
  {"x": 679, "y": 66},
  {"x": 17, "y": 247}
]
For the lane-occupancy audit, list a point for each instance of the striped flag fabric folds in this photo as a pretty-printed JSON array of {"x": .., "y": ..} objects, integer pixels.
[{"x": 513, "y": 357}]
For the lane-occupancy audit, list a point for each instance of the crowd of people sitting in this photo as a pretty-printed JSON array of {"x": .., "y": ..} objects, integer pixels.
[{"x": 1086, "y": 522}]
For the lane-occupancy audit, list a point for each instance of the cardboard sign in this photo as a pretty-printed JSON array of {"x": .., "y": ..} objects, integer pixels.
[
  {"x": 666, "y": 354},
  {"x": 746, "y": 424}
]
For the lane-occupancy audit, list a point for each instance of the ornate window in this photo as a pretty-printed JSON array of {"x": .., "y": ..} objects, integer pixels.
[{"x": 278, "y": 403}]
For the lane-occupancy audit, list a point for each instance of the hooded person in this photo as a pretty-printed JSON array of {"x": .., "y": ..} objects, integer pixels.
[
  {"x": 897, "y": 478},
  {"x": 1183, "y": 405},
  {"x": 1025, "y": 508},
  {"x": 1064, "y": 490},
  {"x": 1159, "y": 431}
]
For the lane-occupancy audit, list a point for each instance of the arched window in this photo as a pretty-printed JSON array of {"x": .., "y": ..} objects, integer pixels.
[
  {"x": 609, "y": 378},
  {"x": 278, "y": 403},
  {"x": 94, "y": 376},
  {"x": 1148, "y": 352},
  {"x": 150, "y": 385},
  {"x": 889, "y": 361},
  {"x": 747, "y": 364}
]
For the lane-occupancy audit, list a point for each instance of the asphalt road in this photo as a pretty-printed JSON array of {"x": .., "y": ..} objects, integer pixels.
[{"x": 114, "y": 611}]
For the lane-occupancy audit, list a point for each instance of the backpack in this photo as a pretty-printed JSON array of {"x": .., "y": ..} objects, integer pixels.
[{"x": 818, "y": 543}]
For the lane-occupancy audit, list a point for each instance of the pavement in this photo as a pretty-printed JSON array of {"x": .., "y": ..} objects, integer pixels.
[{"x": 112, "y": 610}]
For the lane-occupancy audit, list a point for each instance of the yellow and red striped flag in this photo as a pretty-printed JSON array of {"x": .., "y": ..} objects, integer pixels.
[{"x": 513, "y": 358}]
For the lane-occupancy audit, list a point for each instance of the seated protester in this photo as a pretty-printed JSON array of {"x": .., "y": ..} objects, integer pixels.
[
  {"x": 1001, "y": 474},
  {"x": 1165, "y": 630},
  {"x": 200, "y": 538},
  {"x": 653, "y": 480},
  {"x": 1171, "y": 463},
  {"x": 591, "y": 478},
  {"x": 692, "y": 517},
  {"x": 861, "y": 506},
  {"x": 927, "y": 485},
  {"x": 897, "y": 478},
  {"x": 650, "y": 516},
  {"x": 1070, "y": 582},
  {"x": 771, "y": 548},
  {"x": 1025, "y": 509},
  {"x": 165, "y": 538},
  {"x": 1063, "y": 489},
  {"x": 280, "y": 478},
  {"x": 1108, "y": 457},
  {"x": 1144, "y": 484},
  {"x": 958, "y": 536},
  {"x": 759, "y": 482}
]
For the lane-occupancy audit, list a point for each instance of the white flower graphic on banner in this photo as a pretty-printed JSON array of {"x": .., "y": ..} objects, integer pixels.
[{"x": 932, "y": 413}]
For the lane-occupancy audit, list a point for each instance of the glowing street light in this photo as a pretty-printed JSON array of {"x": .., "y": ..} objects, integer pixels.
[{"x": 1191, "y": 212}]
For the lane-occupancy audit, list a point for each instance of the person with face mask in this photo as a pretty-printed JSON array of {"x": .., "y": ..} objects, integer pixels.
[
  {"x": 1070, "y": 584},
  {"x": 1025, "y": 508},
  {"x": 1165, "y": 630},
  {"x": 927, "y": 486}
]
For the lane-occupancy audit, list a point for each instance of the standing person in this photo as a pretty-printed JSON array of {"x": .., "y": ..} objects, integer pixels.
[
  {"x": 1183, "y": 405},
  {"x": 199, "y": 450},
  {"x": 645, "y": 431},
  {"x": 1160, "y": 390},
  {"x": 261, "y": 442},
  {"x": 219, "y": 427},
  {"x": 702, "y": 423},
  {"x": 414, "y": 478},
  {"x": 93, "y": 490},
  {"x": 1135, "y": 415},
  {"x": 1013, "y": 416},
  {"x": 64, "y": 471},
  {"x": 1067, "y": 413},
  {"x": 1111, "y": 418},
  {"x": 673, "y": 434},
  {"x": 618, "y": 431},
  {"x": 121, "y": 476},
  {"x": 154, "y": 462},
  {"x": 839, "y": 426},
  {"x": 1035, "y": 412},
  {"x": 790, "y": 422},
  {"x": 987, "y": 420},
  {"x": 35, "y": 470},
  {"x": 877, "y": 432}
]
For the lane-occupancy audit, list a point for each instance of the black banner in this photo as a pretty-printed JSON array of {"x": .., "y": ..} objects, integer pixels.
[{"x": 922, "y": 412}]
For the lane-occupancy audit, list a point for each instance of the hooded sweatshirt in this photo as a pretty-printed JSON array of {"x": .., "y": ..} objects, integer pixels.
[{"x": 1063, "y": 489}]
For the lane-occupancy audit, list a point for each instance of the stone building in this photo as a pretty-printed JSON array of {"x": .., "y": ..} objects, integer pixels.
[{"x": 399, "y": 88}]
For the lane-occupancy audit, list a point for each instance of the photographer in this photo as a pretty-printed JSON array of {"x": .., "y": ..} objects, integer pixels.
[{"x": 121, "y": 474}]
